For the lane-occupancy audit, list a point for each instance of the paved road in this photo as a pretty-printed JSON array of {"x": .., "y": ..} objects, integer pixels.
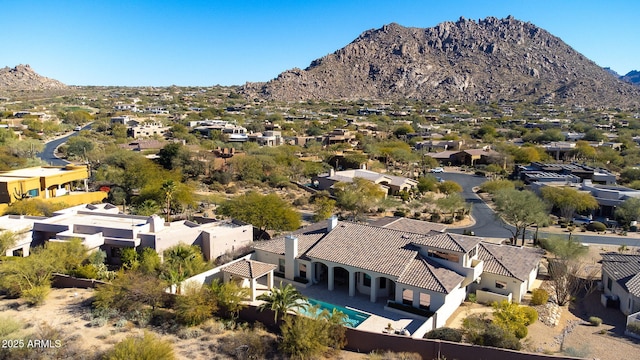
[
  {"x": 487, "y": 225},
  {"x": 48, "y": 153}
]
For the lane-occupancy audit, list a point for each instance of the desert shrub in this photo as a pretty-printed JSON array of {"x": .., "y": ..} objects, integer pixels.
[
  {"x": 596, "y": 226},
  {"x": 400, "y": 213},
  {"x": 190, "y": 333},
  {"x": 390, "y": 355},
  {"x": 304, "y": 337},
  {"x": 36, "y": 295},
  {"x": 87, "y": 271},
  {"x": 249, "y": 344},
  {"x": 481, "y": 331},
  {"x": 146, "y": 347},
  {"x": 195, "y": 306},
  {"x": 445, "y": 333},
  {"x": 8, "y": 326},
  {"x": 213, "y": 327},
  {"x": 595, "y": 321},
  {"x": 472, "y": 297},
  {"x": 634, "y": 327},
  {"x": 531, "y": 315},
  {"x": 494, "y": 186},
  {"x": 98, "y": 322},
  {"x": 539, "y": 297}
]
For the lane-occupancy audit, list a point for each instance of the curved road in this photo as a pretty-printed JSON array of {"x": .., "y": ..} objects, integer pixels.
[
  {"x": 48, "y": 153},
  {"x": 488, "y": 225}
]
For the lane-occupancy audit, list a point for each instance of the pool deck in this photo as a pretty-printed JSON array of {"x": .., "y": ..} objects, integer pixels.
[{"x": 379, "y": 318}]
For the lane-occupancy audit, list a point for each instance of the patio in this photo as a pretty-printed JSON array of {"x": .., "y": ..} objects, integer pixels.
[{"x": 379, "y": 317}]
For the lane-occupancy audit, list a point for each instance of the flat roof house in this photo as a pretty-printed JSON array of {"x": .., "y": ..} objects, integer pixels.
[
  {"x": 42, "y": 182},
  {"x": 102, "y": 226}
]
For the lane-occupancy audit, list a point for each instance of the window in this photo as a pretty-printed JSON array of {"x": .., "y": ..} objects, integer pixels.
[
  {"x": 366, "y": 280},
  {"x": 116, "y": 252},
  {"x": 501, "y": 285},
  {"x": 443, "y": 255},
  {"x": 609, "y": 283},
  {"x": 281, "y": 265},
  {"x": 303, "y": 270},
  {"x": 383, "y": 283},
  {"x": 472, "y": 253}
]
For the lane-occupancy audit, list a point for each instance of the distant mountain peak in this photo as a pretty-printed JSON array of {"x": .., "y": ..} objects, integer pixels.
[
  {"x": 464, "y": 61},
  {"x": 23, "y": 77}
]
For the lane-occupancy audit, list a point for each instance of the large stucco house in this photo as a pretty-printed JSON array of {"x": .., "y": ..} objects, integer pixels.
[
  {"x": 403, "y": 261},
  {"x": 391, "y": 184},
  {"x": 103, "y": 227}
]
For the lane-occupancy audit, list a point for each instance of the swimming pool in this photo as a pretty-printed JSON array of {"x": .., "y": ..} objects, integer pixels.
[{"x": 354, "y": 317}]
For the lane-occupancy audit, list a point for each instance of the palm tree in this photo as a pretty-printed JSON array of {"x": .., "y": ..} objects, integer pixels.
[
  {"x": 168, "y": 187},
  {"x": 283, "y": 299}
]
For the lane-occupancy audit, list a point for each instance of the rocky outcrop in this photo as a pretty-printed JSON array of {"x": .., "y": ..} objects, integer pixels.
[
  {"x": 464, "y": 61},
  {"x": 22, "y": 77}
]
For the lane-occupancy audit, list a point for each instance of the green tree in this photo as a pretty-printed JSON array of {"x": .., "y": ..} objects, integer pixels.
[
  {"x": 265, "y": 212},
  {"x": 451, "y": 204},
  {"x": 168, "y": 188},
  {"x": 513, "y": 317},
  {"x": 449, "y": 187},
  {"x": 7, "y": 240},
  {"x": 195, "y": 305},
  {"x": 130, "y": 291},
  {"x": 520, "y": 209},
  {"x": 427, "y": 183},
  {"x": 282, "y": 300},
  {"x": 324, "y": 208},
  {"x": 78, "y": 147},
  {"x": 566, "y": 269},
  {"x": 305, "y": 337},
  {"x": 628, "y": 211},
  {"x": 358, "y": 197},
  {"x": 181, "y": 262},
  {"x": 230, "y": 296},
  {"x": 569, "y": 200}
]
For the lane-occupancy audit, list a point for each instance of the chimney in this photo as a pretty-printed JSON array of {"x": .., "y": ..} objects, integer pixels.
[
  {"x": 290, "y": 255},
  {"x": 157, "y": 223},
  {"x": 363, "y": 166},
  {"x": 332, "y": 222}
]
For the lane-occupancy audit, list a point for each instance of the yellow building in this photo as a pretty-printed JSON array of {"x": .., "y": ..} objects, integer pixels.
[{"x": 41, "y": 182}]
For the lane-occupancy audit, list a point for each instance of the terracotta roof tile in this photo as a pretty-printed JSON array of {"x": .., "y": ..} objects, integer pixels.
[
  {"x": 409, "y": 225},
  {"x": 449, "y": 241},
  {"x": 507, "y": 260},
  {"x": 427, "y": 274},
  {"x": 249, "y": 269}
]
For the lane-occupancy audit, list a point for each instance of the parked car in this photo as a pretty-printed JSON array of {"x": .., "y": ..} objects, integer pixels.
[
  {"x": 77, "y": 128},
  {"x": 437, "y": 170},
  {"x": 581, "y": 221}
]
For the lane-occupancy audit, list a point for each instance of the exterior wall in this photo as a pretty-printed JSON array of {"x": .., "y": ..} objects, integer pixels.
[
  {"x": 487, "y": 297},
  {"x": 516, "y": 287},
  {"x": 451, "y": 303},
  {"x": 268, "y": 257},
  {"x": 618, "y": 291}
]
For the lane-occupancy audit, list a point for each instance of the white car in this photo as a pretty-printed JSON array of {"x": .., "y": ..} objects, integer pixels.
[
  {"x": 437, "y": 170},
  {"x": 77, "y": 128}
]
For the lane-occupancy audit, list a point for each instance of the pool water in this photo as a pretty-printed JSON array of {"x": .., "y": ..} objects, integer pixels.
[{"x": 354, "y": 317}]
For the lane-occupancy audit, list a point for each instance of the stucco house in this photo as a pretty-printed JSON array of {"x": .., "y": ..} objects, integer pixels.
[
  {"x": 432, "y": 270},
  {"x": 509, "y": 272},
  {"x": 391, "y": 184},
  {"x": 621, "y": 281},
  {"x": 103, "y": 227}
]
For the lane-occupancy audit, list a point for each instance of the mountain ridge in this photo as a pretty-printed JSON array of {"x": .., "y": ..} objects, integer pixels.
[
  {"x": 466, "y": 61},
  {"x": 23, "y": 77}
]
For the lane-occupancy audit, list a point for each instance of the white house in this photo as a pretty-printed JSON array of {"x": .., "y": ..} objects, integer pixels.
[
  {"x": 432, "y": 270},
  {"x": 621, "y": 281},
  {"x": 102, "y": 226}
]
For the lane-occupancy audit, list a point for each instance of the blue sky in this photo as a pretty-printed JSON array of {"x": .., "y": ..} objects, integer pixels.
[{"x": 203, "y": 43}]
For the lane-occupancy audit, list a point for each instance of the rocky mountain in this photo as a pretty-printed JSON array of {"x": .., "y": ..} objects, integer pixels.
[
  {"x": 22, "y": 77},
  {"x": 465, "y": 61},
  {"x": 632, "y": 77}
]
